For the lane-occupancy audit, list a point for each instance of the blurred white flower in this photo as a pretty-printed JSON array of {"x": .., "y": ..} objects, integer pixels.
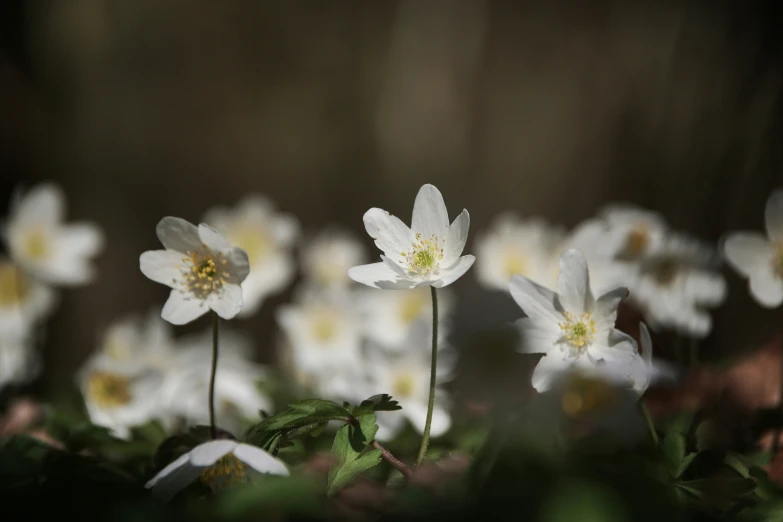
[
  {"x": 323, "y": 330},
  {"x": 327, "y": 257},
  {"x": 237, "y": 393},
  {"x": 43, "y": 246},
  {"x": 513, "y": 246},
  {"x": 23, "y": 300},
  {"x": 19, "y": 361},
  {"x": 676, "y": 286},
  {"x": 119, "y": 396},
  {"x": 202, "y": 268},
  {"x": 389, "y": 317},
  {"x": 571, "y": 328},
  {"x": 759, "y": 257},
  {"x": 426, "y": 254},
  {"x": 634, "y": 233},
  {"x": 140, "y": 342},
  {"x": 268, "y": 237},
  {"x": 218, "y": 464}
]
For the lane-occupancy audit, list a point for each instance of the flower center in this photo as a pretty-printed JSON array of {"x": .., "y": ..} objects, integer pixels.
[
  {"x": 584, "y": 395},
  {"x": 253, "y": 240},
  {"x": 324, "y": 326},
  {"x": 404, "y": 385},
  {"x": 665, "y": 272},
  {"x": 13, "y": 286},
  {"x": 36, "y": 244},
  {"x": 411, "y": 306},
  {"x": 578, "y": 331},
  {"x": 777, "y": 260},
  {"x": 204, "y": 272},
  {"x": 636, "y": 243},
  {"x": 227, "y": 471},
  {"x": 108, "y": 390},
  {"x": 425, "y": 256},
  {"x": 514, "y": 263}
]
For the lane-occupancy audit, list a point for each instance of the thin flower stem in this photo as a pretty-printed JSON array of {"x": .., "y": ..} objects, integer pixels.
[
  {"x": 650, "y": 423},
  {"x": 215, "y": 329},
  {"x": 392, "y": 460},
  {"x": 425, "y": 440}
]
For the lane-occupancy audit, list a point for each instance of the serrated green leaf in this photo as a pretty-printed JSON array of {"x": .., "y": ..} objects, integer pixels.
[
  {"x": 348, "y": 449},
  {"x": 380, "y": 402},
  {"x": 321, "y": 407},
  {"x": 673, "y": 447}
]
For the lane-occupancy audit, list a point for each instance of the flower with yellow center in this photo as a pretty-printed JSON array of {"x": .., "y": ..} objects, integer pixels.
[
  {"x": 267, "y": 236},
  {"x": 429, "y": 253},
  {"x": 759, "y": 257},
  {"x": 327, "y": 257},
  {"x": 108, "y": 390},
  {"x": 41, "y": 244},
  {"x": 202, "y": 268},
  {"x": 571, "y": 328},
  {"x": 634, "y": 233},
  {"x": 218, "y": 464},
  {"x": 23, "y": 301}
]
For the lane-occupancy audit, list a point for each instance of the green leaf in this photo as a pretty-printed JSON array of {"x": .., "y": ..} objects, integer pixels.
[
  {"x": 705, "y": 435},
  {"x": 734, "y": 461},
  {"x": 771, "y": 511},
  {"x": 673, "y": 448},
  {"x": 686, "y": 461},
  {"x": 381, "y": 402},
  {"x": 349, "y": 448},
  {"x": 767, "y": 488},
  {"x": 320, "y": 407}
]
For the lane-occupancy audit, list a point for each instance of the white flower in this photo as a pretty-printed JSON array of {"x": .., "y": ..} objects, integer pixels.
[
  {"x": 759, "y": 258},
  {"x": 571, "y": 328},
  {"x": 516, "y": 247},
  {"x": 267, "y": 237},
  {"x": 677, "y": 284},
  {"x": 218, "y": 464},
  {"x": 43, "y": 246},
  {"x": 634, "y": 232},
  {"x": 19, "y": 361},
  {"x": 237, "y": 395},
  {"x": 323, "y": 331},
  {"x": 202, "y": 268},
  {"x": 426, "y": 254},
  {"x": 327, "y": 258},
  {"x": 389, "y": 317},
  {"x": 144, "y": 343},
  {"x": 119, "y": 396},
  {"x": 23, "y": 300}
]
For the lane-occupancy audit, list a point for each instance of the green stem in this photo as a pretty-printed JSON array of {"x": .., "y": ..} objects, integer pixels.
[
  {"x": 215, "y": 329},
  {"x": 650, "y": 423},
  {"x": 425, "y": 440}
]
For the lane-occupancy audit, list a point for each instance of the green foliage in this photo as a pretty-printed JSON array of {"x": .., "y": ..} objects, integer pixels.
[{"x": 349, "y": 450}]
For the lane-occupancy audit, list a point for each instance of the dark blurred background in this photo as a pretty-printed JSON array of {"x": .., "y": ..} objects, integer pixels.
[{"x": 146, "y": 108}]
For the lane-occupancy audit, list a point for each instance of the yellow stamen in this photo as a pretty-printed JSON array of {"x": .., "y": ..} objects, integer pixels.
[
  {"x": 514, "y": 263},
  {"x": 578, "y": 331},
  {"x": 426, "y": 255},
  {"x": 584, "y": 395},
  {"x": 404, "y": 385},
  {"x": 200, "y": 276},
  {"x": 227, "y": 471},
  {"x": 108, "y": 390},
  {"x": 14, "y": 286},
  {"x": 636, "y": 243},
  {"x": 324, "y": 326},
  {"x": 36, "y": 244}
]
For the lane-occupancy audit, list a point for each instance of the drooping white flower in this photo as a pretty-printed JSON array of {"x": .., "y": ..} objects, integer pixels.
[
  {"x": 23, "y": 300},
  {"x": 389, "y": 317},
  {"x": 513, "y": 246},
  {"x": 327, "y": 258},
  {"x": 237, "y": 394},
  {"x": 41, "y": 244},
  {"x": 634, "y": 232},
  {"x": 268, "y": 237},
  {"x": 758, "y": 257},
  {"x": 677, "y": 285},
  {"x": 202, "y": 268},
  {"x": 218, "y": 464},
  {"x": 19, "y": 361},
  {"x": 429, "y": 253},
  {"x": 119, "y": 396},
  {"x": 323, "y": 330},
  {"x": 572, "y": 328}
]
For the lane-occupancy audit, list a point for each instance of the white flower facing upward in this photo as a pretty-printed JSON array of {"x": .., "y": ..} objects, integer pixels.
[
  {"x": 513, "y": 246},
  {"x": 758, "y": 257},
  {"x": 218, "y": 464},
  {"x": 572, "y": 328},
  {"x": 202, "y": 268},
  {"x": 429, "y": 253},
  {"x": 23, "y": 300},
  {"x": 327, "y": 258},
  {"x": 267, "y": 236},
  {"x": 634, "y": 233},
  {"x": 43, "y": 246}
]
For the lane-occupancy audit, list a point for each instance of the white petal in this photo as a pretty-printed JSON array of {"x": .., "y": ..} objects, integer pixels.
[
  {"x": 454, "y": 272},
  {"x": 228, "y": 303},
  {"x": 535, "y": 336},
  {"x": 773, "y": 215},
  {"x": 210, "y": 452},
  {"x": 260, "y": 460},
  {"x": 379, "y": 275},
  {"x": 766, "y": 288},
  {"x": 181, "y": 308},
  {"x": 44, "y": 203},
  {"x": 174, "y": 477},
  {"x": 417, "y": 414},
  {"x": 212, "y": 238},
  {"x": 390, "y": 423},
  {"x": 549, "y": 368},
  {"x": 391, "y": 235},
  {"x": 239, "y": 265},
  {"x": 605, "y": 310},
  {"x": 285, "y": 229},
  {"x": 429, "y": 213},
  {"x": 747, "y": 252},
  {"x": 177, "y": 234},
  {"x": 646, "y": 344},
  {"x": 456, "y": 238},
  {"x": 80, "y": 240},
  {"x": 161, "y": 266},
  {"x": 573, "y": 283},
  {"x": 537, "y": 302}
]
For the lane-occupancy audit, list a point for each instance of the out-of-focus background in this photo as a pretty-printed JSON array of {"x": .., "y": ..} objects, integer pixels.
[{"x": 144, "y": 109}]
